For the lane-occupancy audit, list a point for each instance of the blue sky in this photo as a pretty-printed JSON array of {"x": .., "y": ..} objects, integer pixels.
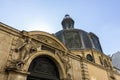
[{"x": 101, "y": 17}]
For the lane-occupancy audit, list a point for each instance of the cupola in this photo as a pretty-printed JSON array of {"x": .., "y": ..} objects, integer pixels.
[{"x": 67, "y": 22}]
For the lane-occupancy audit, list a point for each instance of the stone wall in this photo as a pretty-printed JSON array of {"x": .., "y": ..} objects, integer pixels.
[
  {"x": 97, "y": 73},
  {"x": 5, "y": 46}
]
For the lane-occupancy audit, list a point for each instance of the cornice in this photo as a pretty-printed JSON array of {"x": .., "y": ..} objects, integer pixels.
[
  {"x": 93, "y": 50},
  {"x": 9, "y": 29}
]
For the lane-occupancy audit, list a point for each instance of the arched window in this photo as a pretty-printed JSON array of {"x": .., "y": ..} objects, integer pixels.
[
  {"x": 79, "y": 56},
  {"x": 105, "y": 63},
  {"x": 100, "y": 60},
  {"x": 89, "y": 57}
]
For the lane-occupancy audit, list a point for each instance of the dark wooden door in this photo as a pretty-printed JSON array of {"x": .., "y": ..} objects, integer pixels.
[{"x": 43, "y": 68}]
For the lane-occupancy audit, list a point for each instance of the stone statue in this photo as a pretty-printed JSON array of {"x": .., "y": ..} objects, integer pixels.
[{"x": 24, "y": 49}]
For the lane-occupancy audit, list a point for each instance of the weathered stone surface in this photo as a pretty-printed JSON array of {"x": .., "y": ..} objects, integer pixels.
[{"x": 19, "y": 48}]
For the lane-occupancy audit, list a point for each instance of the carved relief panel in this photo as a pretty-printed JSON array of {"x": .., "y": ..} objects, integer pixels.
[
  {"x": 66, "y": 62},
  {"x": 21, "y": 49}
]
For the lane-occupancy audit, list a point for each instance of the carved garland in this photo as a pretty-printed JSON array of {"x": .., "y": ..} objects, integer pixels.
[{"x": 66, "y": 62}]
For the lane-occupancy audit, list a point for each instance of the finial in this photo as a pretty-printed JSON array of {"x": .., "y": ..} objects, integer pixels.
[{"x": 67, "y": 16}]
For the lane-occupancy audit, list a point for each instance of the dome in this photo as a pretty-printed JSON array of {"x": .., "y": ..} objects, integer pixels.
[{"x": 76, "y": 39}]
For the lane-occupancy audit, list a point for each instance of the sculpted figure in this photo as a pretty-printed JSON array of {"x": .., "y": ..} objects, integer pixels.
[
  {"x": 24, "y": 49},
  {"x": 64, "y": 58}
]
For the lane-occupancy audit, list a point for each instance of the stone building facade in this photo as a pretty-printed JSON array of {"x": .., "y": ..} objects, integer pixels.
[{"x": 70, "y": 54}]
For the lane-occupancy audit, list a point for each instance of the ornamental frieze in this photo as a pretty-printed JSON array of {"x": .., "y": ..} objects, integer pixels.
[{"x": 47, "y": 40}]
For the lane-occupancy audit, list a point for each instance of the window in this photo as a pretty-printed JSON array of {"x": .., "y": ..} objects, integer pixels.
[
  {"x": 105, "y": 63},
  {"x": 79, "y": 56},
  {"x": 89, "y": 57},
  {"x": 100, "y": 60}
]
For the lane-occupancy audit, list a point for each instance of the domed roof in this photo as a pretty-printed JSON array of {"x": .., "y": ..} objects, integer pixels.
[{"x": 76, "y": 39}]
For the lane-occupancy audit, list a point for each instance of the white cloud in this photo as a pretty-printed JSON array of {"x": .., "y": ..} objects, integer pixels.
[{"x": 41, "y": 26}]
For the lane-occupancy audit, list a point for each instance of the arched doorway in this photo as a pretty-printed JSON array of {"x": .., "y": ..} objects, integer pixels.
[{"x": 43, "y": 68}]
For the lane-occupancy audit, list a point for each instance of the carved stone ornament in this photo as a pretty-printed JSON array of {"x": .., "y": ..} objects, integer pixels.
[
  {"x": 21, "y": 52},
  {"x": 48, "y": 40},
  {"x": 65, "y": 60},
  {"x": 69, "y": 77}
]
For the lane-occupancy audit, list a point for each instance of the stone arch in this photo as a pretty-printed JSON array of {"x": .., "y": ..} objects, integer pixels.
[
  {"x": 60, "y": 67},
  {"x": 89, "y": 57}
]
